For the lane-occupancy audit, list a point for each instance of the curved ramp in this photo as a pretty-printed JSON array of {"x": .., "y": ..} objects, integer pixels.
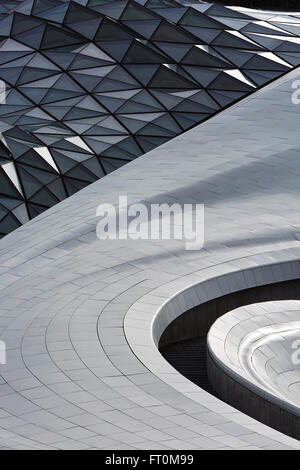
[{"x": 77, "y": 314}]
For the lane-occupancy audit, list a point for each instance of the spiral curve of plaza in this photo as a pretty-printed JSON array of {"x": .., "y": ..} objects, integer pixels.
[{"x": 113, "y": 337}]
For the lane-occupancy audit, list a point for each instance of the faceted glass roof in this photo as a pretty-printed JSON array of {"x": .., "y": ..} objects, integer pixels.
[{"x": 94, "y": 84}]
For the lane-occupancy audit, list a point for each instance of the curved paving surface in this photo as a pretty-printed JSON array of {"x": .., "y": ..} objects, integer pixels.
[
  {"x": 77, "y": 314},
  {"x": 258, "y": 345}
]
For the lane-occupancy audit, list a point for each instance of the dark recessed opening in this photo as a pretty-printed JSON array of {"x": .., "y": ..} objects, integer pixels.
[{"x": 189, "y": 358}]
